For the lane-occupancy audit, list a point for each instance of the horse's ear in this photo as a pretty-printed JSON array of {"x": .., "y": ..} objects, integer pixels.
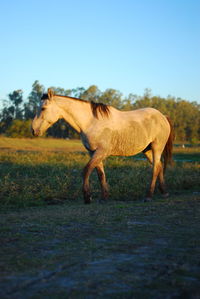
[{"x": 50, "y": 93}]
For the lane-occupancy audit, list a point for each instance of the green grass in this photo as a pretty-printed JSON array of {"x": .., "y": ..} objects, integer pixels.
[
  {"x": 54, "y": 246},
  {"x": 40, "y": 176},
  {"x": 35, "y": 178}
]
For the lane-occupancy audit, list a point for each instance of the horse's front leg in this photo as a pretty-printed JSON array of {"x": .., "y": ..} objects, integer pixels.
[
  {"x": 102, "y": 179},
  {"x": 95, "y": 161}
]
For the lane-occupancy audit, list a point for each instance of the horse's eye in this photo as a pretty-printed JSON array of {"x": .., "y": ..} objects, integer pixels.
[{"x": 42, "y": 109}]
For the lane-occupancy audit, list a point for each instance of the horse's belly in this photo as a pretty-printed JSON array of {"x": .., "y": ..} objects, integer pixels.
[
  {"x": 129, "y": 150},
  {"x": 122, "y": 141},
  {"x": 128, "y": 143}
]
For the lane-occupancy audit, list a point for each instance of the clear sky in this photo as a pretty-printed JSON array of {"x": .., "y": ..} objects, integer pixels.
[{"x": 127, "y": 45}]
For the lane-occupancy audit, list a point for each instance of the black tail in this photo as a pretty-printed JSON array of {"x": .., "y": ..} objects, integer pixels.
[{"x": 167, "y": 153}]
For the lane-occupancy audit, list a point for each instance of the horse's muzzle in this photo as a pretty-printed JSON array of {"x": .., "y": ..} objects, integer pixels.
[{"x": 35, "y": 132}]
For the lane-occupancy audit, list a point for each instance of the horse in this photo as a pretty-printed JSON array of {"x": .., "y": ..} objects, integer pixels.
[{"x": 106, "y": 131}]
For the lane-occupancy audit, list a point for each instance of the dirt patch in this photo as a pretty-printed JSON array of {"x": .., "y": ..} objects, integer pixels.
[{"x": 118, "y": 250}]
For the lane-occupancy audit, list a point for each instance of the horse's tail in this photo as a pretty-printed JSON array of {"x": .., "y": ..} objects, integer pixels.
[{"x": 167, "y": 153}]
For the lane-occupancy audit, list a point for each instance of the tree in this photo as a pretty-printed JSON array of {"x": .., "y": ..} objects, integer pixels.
[
  {"x": 91, "y": 94},
  {"x": 6, "y": 117},
  {"x": 61, "y": 91},
  {"x": 111, "y": 97},
  {"x": 128, "y": 103},
  {"x": 34, "y": 100},
  {"x": 77, "y": 92},
  {"x": 19, "y": 128},
  {"x": 16, "y": 99},
  {"x": 11, "y": 110}
]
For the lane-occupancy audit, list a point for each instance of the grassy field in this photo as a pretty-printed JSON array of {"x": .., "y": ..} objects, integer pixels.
[
  {"x": 44, "y": 171},
  {"x": 53, "y": 246},
  {"x": 38, "y": 144}
]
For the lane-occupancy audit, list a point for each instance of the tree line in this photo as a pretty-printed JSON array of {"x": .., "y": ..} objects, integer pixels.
[{"x": 16, "y": 114}]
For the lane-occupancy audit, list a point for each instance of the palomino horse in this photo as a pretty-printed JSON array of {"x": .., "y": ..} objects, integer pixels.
[{"x": 106, "y": 131}]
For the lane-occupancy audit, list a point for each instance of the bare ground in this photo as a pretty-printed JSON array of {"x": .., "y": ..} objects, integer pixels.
[{"x": 116, "y": 250}]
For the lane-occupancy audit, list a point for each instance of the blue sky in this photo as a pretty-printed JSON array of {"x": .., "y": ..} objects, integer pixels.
[{"x": 126, "y": 45}]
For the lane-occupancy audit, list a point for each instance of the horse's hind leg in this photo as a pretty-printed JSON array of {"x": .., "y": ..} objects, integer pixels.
[
  {"x": 102, "y": 179},
  {"x": 157, "y": 172},
  {"x": 149, "y": 156}
]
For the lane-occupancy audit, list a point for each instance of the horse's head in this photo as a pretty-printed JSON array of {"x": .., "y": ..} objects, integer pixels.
[{"x": 47, "y": 115}]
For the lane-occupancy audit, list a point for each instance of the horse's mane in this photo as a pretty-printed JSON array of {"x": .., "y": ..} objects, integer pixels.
[{"x": 101, "y": 108}]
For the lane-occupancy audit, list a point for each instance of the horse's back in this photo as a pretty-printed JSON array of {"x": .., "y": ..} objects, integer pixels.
[{"x": 143, "y": 114}]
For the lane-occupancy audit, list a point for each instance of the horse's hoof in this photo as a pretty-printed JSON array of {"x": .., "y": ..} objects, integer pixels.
[
  {"x": 88, "y": 200},
  {"x": 147, "y": 199}
]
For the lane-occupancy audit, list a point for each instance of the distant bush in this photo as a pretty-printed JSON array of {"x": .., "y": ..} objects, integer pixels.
[{"x": 19, "y": 128}]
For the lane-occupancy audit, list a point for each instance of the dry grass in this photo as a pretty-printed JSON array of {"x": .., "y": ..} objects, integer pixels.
[{"x": 38, "y": 144}]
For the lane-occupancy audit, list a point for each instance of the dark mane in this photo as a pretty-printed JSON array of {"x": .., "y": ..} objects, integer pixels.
[
  {"x": 44, "y": 96},
  {"x": 96, "y": 107},
  {"x": 100, "y": 108}
]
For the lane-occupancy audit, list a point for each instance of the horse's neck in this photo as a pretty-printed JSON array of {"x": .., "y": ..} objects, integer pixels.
[{"x": 77, "y": 113}]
